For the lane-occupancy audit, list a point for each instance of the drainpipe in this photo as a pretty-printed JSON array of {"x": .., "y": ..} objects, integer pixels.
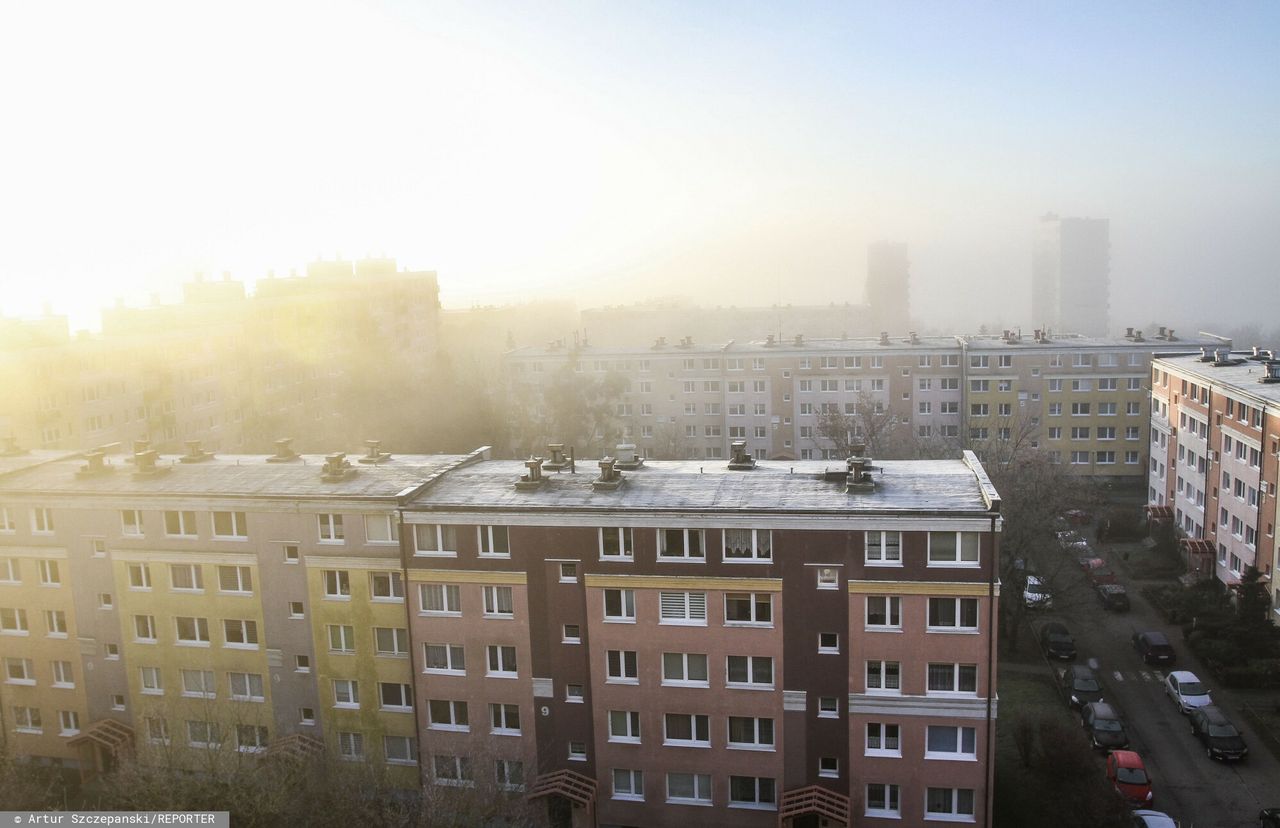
[
  {"x": 988, "y": 770},
  {"x": 408, "y": 631}
]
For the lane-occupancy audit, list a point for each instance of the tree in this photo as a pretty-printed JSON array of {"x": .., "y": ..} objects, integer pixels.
[
  {"x": 577, "y": 410},
  {"x": 870, "y": 423}
]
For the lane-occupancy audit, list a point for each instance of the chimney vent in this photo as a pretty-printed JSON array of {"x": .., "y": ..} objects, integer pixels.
[
  {"x": 1161, "y": 334},
  {"x": 1273, "y": 372},
  {"x": 194, "y": 453},
  {"x": 97, "y": 464},
  {"x": 740, "y": 460},
  {"x": 144, "y": 463},
  {"x": 915, "y": 340},
  {"x": 1137, "y": 336},
  {"x": 532, "y": 479},
  {"x": 660, "y": 342},
  {"x": 1128, "y": 333},
  {"x": 283, "y": 452},
  {"x": 858, "y": 471},
  {"x": 610, "y": 478},
  {"x": 558, "y": 461},
  {"x": 337, "y": 468},
  {"x": 799, "y": 340},
  {"x": 139, "y": 446},
  {"x": 1169, "y": 336},
  {"x": 884, "y": 337},
  {"x": 627, "y": 457},
  {"x": 769, "y": 342},
  {"x": 373, "y": 455}
]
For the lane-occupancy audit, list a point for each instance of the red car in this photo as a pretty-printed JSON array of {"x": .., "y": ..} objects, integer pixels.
[
  {"x": 1100, "y": 575},
  {"x": 1078, "y": 517},
  {"x": 1129, "y": 777}
]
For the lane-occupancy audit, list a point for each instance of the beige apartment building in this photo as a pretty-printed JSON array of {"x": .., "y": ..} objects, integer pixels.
[{"x": 1084, "y": 401}]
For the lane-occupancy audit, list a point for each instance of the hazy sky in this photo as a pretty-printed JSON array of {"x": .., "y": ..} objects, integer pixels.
[{"x": 736, "y": 153}]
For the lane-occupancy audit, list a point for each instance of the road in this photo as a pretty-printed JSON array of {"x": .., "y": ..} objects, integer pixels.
[{"x": 1198, "y": 791}]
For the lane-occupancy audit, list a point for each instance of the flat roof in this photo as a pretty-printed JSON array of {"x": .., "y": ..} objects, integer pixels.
[
  {"x": 225, "y": 475},
  {"x": 923, "y": 486},
  {"x": 1241, "y": 377}
]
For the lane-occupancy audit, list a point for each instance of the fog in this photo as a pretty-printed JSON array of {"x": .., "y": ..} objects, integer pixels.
[{"x": 614, "y": 154}]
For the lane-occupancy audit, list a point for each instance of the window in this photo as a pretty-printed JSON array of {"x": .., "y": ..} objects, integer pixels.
[
  {"x": 342, "y": 638},
  {"x": 882, "y": 800},
  {"x": 884, "y": 611},
  {"x": 302, "y": 664},
  {"x": 330, "y": 528},
  {"x": 400, "y": 750},
  {"x": 689, "y": 788},
  {"x": 290, "y": 554},
  {"x": 448, "y": 659},
  {"x": 509, "y": 774},
  {"x": 616, "y": 544},
  {"x": 131, "y": 522},
  {"x": 237, "y": 579},
  {"x": 628, "y": 784},
  {"x": 828, "y": 577},
  {"x": 571, "y": 634},
  {"x": 688, "y": 544},
  {"x": 391, "y": 641},
  {"x": 386, "y": 586},
  {"x": 684, "y": 669},
  {"x": 180, "y": 524},
  {"x": 884, "y": 677},
  {"x": 144, "y": 628},
  {"x": 199, "y": 684},
  {"x": 246, "y": 687},
  {"x": 498, "y": 602},
  {"x": 578, "y": 751},
  {"x": 573, "y": 693},
  {"x": 394, "y": 696},
  {"x": 158, "y": 731},
  {"x": 105, "y": 601},
  {"x": 828, "y": 707},
  {"x": 41, "y": 521},
  {"x": 63, "y": 677},
  {"x": 953, "y": 548},
  {"x": 953, "y": 678},
  {"x": 748, "y": 544},
  {"x": 27, "y": 720},
  {"x": 230, "y": 525},
  {"x": 346, "y": 693},
  {"x": 502, "y": 661},
  {"x": 620, "y": 605},
  {"x": 439, "y": 599},
  {"x": 953, "y": 614},
  {"x": 337, "y": 584},
  {"x": 55, "y": 622},
  {"x": 954, "y": 804},
  {"x": 883, "y": 739},
  {"x": 829, "y": 643},
  {"x": 624, "y": 726},
  {"x": 748, "y": 609},
  {"x": 435, "y": 539},
  {"x": 240, "y": 633},
  {"x": 751, "y": 733},
  {"x": 251, "y": 738},
  {"x": 752, "y": 792},
  {"x": 622, "y": 667},
  {"x": 9, "y": 571},
  {"x": 203, "y": 734},
  {"x": 686, "y": 730},
  {"x": 884, "y": 548},
  {"x": 754, "y": 672},
  {"x": 568, "y": 573},
  {"x": 493, "y": 541},
  {"x": 381, "y": 529},
  {"x": 14, "y": 621},
  {"x": 350, "y": 746},
  {"x": 683, "y": 608},
  {"x": 49, "y": 574},
  {"x": 186, "y": 577},
  {"x": 192, "y": 631},
  {"x": 1080, "y": 409},
  {"x": 947, "y": 742},
  {"x": 504, "y": 719}
]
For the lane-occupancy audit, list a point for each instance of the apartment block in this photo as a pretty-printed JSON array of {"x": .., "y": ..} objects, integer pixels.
[
  {"x": 1083, "y": 401},
  {"x": 182, "y": 605},
  {"x": 744, "y": 643},
  {"x": 1215, "y": 457},
  {"x": 1071, "y": 274}
]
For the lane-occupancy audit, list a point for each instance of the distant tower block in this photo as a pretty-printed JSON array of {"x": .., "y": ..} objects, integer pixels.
[
  {"x": 1071, "y": 275},
  {"x": 888, "y": 294}
]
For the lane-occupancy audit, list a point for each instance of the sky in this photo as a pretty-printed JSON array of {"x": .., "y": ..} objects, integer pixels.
[{"x": 730, "y": 153}]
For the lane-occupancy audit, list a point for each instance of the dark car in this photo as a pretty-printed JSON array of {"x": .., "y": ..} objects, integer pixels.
[
  {"x": 1080, "y": 686},
  {"x": 1079, "y": 517},
  {"x": 1154, "y": 647},
  {"x": 1100, "y": 575},
  {"x": 1269, "y": 818},
  {"x": 1113, "y": 597},
  {"x": 1057, "y": 642},
  {"x": 1219, "y": 736},
  {"x": 1106, "y": 730}
]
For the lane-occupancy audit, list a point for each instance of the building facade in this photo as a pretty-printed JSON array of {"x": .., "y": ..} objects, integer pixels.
[
  {"x": 1082, "y": 400},
  {"x": 1071, "y": 275},
  {"x": 1215, "y": 456},
  {"x": 888, "y": 286}
]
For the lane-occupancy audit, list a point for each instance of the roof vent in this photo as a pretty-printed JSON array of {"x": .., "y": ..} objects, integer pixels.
[
  {"x": 686, "y": 342},
  {"x": 1128, "y": 333},
  {"x": 660, "y": 342},
  {"x": 97, "y": 464},
  {"x": 1222, "y": 358},
  {"x": 558, "y": 460},
  {"x": 283, "y": 452},
  {"x": 1169, "y": 336},
  {"x": 884, "y": 337},
  {"x": 628, "y": 458},
  {"x": 532, "y": 479},
  {"x": 769, "y": 341},
  {"x": 1137, "y": 336},
  {"x": 740, "y": 460},
  {"x": 858, "y": 473},
  {"x": 1273, "y": 372},
  {"x": 337, "y": 468},
  {"x": 139, "y": 446},
  {"x": 913, "y": 338},
  {"x": 1205, "y": 356},
  {"x": 194, "y": 453},
  {"x": 799, "y": 340},
  {"x": 11, "y": 447},
  {"x": 373, "y": 455},
  {"x": 610, "y": 478},
  {"x": 1161, "y": 333},
  {"x": 144, "y": 462}
]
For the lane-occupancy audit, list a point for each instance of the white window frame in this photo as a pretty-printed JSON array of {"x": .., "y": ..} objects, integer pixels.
[
  {"x": 386, "y": 586},
  {"x": 402, "y": 698},
  {"x": 251, "y": 687},
  {"x": 497, "y": 657},
  {"x": 624, "y": 542},
  {"x": 878, "y": 550},
  {"x": 758, "y": 742},
  {"x": 700, "y": 786},
  {"x": 890, "y": 794},
  {"x": 750, "y": 683},
  {"x": 685, "y": 661},
  {"x": 149, "y": 623},
  {"x": 694, "y": 720},
  {"x": 183, "y": 530},
  {"x": 446, "y": 535},
  {"x": 330, "y": 528},
  {"x": 885, "y": 668},
  {"x": 955, "y": 679},
  {"x": 239, "y": 526},
  {"x": 686, "y": 552},
  {"x": 627, "y": 605},
  {"x": 244, "y": 629},
  {"x": 760, "y": 552},
  {"x": 688, "y": 609},
  {"x": 346, "y": 694},
  {"x": 494, "y": 599},
  {"x": 399, "y": 642},
  {"x": 765, "y": 797},
  {"x": 455, "y": 659},
  {"x": 959, "y": 562},
  {"x": 883, "y": 737},
  {"x": 627, "y": 664},
  {"x": 624, "y": 726},
  {"x": 341, "y": 637},
  {"x": 450, "y": 600},
  {"x": 381, "y": 530},
  {"x": 958, "y": 605},
  {"x": 198, "y": 684},
  {"x": 486, "y": 541},
  {"x": 633, "y": 790},
  {"x": 890, "y": 606},
  {"x": 504, "y": 719},
  {"x": 235, "y": 580},
  {"x": 200, "y": 626},
  {"x": 959, "y": 754},
  {"x": 954, "y": 814},
  {"x": 131, "y": 528},
  {"x": 754, "y": 599},
  {"x": 337, "y": 584}
]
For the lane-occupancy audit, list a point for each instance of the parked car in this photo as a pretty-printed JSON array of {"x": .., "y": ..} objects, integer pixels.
[
  {"x": 1090, "y": 561},
  {"x": 1101, "y": 575},
  {"x": 1057, "y": 642},
  {"x": 1078, "y": 517},
  {"x": 1186, "y": 690},
  {"x": 1080, "y": 686},
  {"x": 1153, "y": 819},
  {"x": 1154, "y": 647},
  {"x": 1128, "y": 775},
  {"x": 1036, "y": 593},
  {"x": 1219, "y": 736},
  {"x": 1106, "y": 730},
  {"x": 1113, "y": 597},
  {"x": 1269, "y": 818},
  {"x": 1068, "y": 536}
]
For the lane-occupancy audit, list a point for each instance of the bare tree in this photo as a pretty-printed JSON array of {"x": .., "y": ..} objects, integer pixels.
[
  {"x": 670, "y": 441},
  {"x": 866, "y": 421}
]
